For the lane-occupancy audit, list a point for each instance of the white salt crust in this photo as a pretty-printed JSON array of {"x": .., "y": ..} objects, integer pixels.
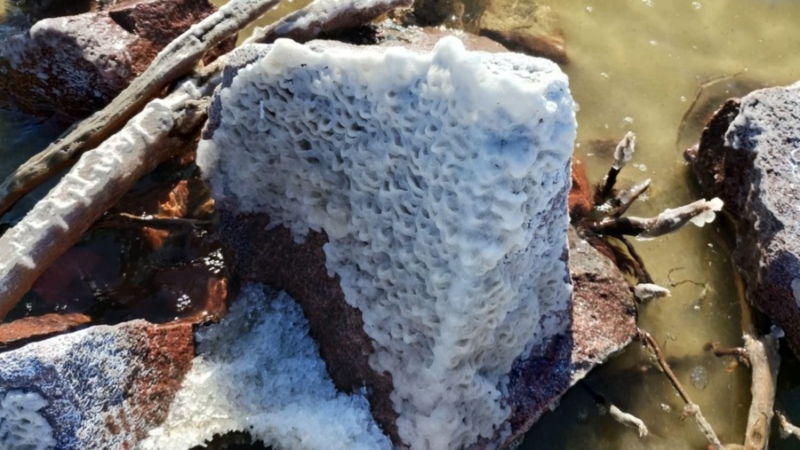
[
  {"x": 440, "y": 180},
  {"x": 21, "y": 424},
  {"x": 259, "y": 371}
]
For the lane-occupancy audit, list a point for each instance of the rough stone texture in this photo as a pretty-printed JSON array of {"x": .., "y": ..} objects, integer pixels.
[
  {"x": 73, "y": 66},
  {"x": 299, "y": 269},
  {"x": 748, "y": 156},
  {"x": 603, "y": 320},
  {"x": 29, "y": 329},
  {"x": 104, "y": 387},
  {"x": 468, "y": 296},
  {"x": 525, "y": 26},
  {"x": 603, "y": 316}
]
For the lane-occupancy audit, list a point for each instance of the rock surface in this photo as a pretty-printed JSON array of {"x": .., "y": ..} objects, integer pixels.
[
  {"x": 29, "y": 329},
  {"x": 103, "y": 387},
  {"x": 72, "y": 66},
  {"x": 748, "y": 156}
]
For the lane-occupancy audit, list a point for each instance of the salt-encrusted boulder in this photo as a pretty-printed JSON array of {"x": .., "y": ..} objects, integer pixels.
[
  {"x": 439, "y": 182},
  {"x": 103, "y": 387},
  {"x": 748, "y": 156},
  {"x": 73, "y": 66}
]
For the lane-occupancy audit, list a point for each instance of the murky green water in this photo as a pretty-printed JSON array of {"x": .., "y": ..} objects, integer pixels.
[{"x": 636, "y": 65}]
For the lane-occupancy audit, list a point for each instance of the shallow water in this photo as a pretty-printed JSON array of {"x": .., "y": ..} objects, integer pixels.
[{"x": 637, "y": 65}]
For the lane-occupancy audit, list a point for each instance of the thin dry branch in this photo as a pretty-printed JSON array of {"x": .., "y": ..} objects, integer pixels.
[
  {"x": 626, "y": 198},
  {"x": 699, "y": 213},
  {"x": 177, "y": 59},
  {"x": 622, "y": 417},
  {"x": 690, "y": 408},
  {"x": 622, "y": 154},
  {"x": 738, "y": 352}
]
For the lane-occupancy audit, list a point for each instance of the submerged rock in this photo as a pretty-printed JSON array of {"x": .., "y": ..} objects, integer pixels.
[
  {"x": 72, "y": 66},
  {"x": 525, "y": 26},
  {"x": 748, "y": 156},
  {"x": 103, "y": 387}
]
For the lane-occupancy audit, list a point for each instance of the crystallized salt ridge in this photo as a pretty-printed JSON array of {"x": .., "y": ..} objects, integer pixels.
[
  {"x": 440, "y": 180},
  {"x": 259, "y": 371}
]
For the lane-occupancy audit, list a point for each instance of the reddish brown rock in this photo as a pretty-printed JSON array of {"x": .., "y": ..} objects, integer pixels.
[
  {"x": 580, "y": 193},
  {"x": 603, "y": 319},
  {"x": 748, "y": 156},
  {"x": 30, "y": 329},
  {"x": 102, "y": 387},
  {"x": 73, "y": 66}
]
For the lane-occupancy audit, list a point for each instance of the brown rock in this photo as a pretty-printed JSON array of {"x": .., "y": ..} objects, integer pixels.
[
  {"x": 603, "y": 323},
  {"x": 102, "y": 387},
  {"x": 525, "y": 26},
  {"x": 31, "y": 329},
  {"x": 603, "y": 319},
  {"x": 73, "y": 66},
  {"x": 299, "y": 269},
  {"x": 748, "y": 156},
  {"x": 580, "y": 193}
]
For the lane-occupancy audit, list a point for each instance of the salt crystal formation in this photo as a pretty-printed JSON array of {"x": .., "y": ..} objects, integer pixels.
[
  {"x": 260, "y": 371},
  {"x": 441, "y": 182}
]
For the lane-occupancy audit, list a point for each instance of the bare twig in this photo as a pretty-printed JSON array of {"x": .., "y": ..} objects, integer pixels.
[
  {"x": 622, "y": 154},
  {"x": 626, "y": 198},
  {"x": 176, "y": 60},
  {"x": 738, "y": 352},
  {"x": 622, "y": 417},
  {"x": 690, "y": 408},
  {"x": 650, "y": 291},
  {"x": 156, "y": 221},
  {"x": 699, "y": 213},
  {"x": 787, "y": 428}
]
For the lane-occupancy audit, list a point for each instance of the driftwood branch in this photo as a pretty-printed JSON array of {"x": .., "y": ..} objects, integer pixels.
[
  {"x": 96, "y": 182},
  {"x": 690, "y": 408},
  {"x": 177, "y": 59},
  {"x": 699, "y": 213},
  {"x": 325, "y": 16},
  {"x": 765, "y": 362}
]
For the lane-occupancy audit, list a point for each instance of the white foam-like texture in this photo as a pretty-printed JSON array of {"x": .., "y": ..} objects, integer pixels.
[
  {"x": 21, "y": 424},
  {"x": 259, "y": 371},
  {"x": 440, "y": 180}
]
